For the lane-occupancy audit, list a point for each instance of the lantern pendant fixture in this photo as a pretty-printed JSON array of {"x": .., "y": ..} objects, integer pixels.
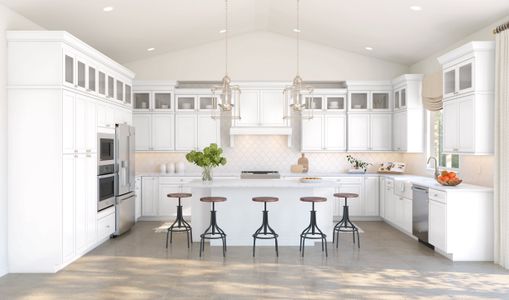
[
  {"x": 298, "y": 89},
  {"x": 228, "y": 94}
]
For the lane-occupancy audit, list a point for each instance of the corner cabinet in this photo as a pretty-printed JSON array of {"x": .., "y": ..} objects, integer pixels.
[{"x": 468, "y": 103}]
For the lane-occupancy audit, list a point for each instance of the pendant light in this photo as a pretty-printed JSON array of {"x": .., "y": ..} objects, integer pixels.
[
  {"x": 228, "y": 94},
  {"x": 298, "y": 89}
]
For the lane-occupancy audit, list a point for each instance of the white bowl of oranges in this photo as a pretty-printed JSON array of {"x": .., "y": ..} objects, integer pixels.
[{"x": 448, "y": 179}]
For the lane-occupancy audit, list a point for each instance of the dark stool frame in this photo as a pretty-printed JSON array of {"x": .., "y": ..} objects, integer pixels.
[
  {"x": 213, "y": 232},
  {"x": 345, "y": 225},
  {"x": 265, "y": 232},
  {"x": 180, "y": 225},
  {"x": 312, "y": 232}
]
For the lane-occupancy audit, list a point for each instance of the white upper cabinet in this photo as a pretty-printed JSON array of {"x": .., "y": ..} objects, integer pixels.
[
  {"x": 272, "y": 108},
  {"x": 335, "y": 132},
  {"x": 370, "y": 132},
  {"x": 142, "y": 101},
  {"x": 163, "y": 101},
  {"x": 163, "y": 132},
  {"x": 249, "y": 109},
  {"x": 185, "y": 132},
  {"x": 468, "y": 89},
  {"x": 143, "y": 125},
  {"x": 358, "y": 132},
  {"x": 312, "y": 134},
  {"x": 262, "y": 108},
  {"x": 208, "y": 131},
  {"x": 359, "y": 101},
  {"x": 185, "y": 103},
  {"x": 376, "y": 101},
  {"x": 79, "y": 124},
  {"x": 381, "y": 132},
  {"x": 335, "y": 103}
]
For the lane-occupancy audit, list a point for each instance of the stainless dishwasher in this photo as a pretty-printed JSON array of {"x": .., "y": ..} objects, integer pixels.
[{"x": 420, "y": 212}]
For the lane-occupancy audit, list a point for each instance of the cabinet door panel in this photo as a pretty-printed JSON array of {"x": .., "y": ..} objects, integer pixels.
[
  {"x": 399, "y": 211},
  {"x": 312, "y": 134},
  {"x": 91, "y": 127},
  {"x": 81, "y": 186},
  {"x": 185, "y": 132},
  {"x": 354, "y": 204},
  {"x": 450, "y": 126},
  {"x": 438, "y": 225},
  {"x": 272, "y": 107},
  {"x": 142, "y": 124},
  {"x": 449, "y": 82},
  {"x": 466, "y": 125},
  {"x": 466, "y": 77},
  {"x": 149, "y": 198},
  {"x": 68, "y": 121},
  {"x": 407, "y": 215},
  {"x": 371, "y": 199},
  {"x": 381, "y": 132},
  {"x": 249, "y": 109},
  {"x": 163, "y": 126},
  {"x": 81, "y": 124},
  {"x": 335, "y": 132},
  {"x": 358, "y": 132},
  {"x": 91, "y": 214},
  {"x": 68, "y": 193},
  {"x": 208, "y": 131}
]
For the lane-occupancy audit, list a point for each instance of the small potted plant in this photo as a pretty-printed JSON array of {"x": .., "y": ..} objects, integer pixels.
[
  {"x": 358, "y": 166},
  {"x": 207, "y": 159}
]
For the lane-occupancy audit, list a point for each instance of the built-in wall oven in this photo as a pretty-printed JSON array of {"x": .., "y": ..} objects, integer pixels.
[
  {"x": 106, "y": 180},
  {"x": 106, "y": 149}
]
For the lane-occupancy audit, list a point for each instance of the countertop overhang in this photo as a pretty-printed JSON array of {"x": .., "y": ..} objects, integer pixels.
[{"x": 260, "y": 183}]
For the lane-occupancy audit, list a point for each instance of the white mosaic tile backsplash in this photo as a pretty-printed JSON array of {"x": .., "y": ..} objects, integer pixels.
[{"x": 265, "y": 153}]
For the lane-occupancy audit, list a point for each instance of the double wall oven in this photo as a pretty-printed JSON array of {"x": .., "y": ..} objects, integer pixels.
[{"x": 106, "y": 180}]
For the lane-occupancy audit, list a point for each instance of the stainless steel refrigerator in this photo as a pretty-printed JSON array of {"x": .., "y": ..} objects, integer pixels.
[{"x": 125, "y": 181}]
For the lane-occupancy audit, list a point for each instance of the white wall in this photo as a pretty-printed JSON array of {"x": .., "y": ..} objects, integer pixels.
[
  {"x": 264, "y": 56},
  {"x": 473, "y": 169},
  {"x": 9, "y": 20}
]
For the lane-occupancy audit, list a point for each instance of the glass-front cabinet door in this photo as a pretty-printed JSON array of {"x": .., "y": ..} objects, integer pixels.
[
  {"x": 162, "y": 101},
  {"x": 449, "y": 82},
  {"x": 82, "y": 74},
  {"x": 69, "y": 70},
  {"x": 396, "y": 99},
  {"x": 358, "y": 101},
  {"x": 92, "y": 83},
  {"x": 120, "y": 91},
  {"x": 313, "y": 102},
  {"x": 465, "y": 77},
  {"x": 207, "y": 102},
  {"x": 128, "y": 99},
  {"x": 402, "y": 99},
  {"x": 336, "y": 103},
  {"x": 186, "y": 103},
  {"x": 142, "y": 101},
  {"x": 101, "y": 82},
  {"x": 111, "y": 87},
  {"x": 380, "y": 101}
]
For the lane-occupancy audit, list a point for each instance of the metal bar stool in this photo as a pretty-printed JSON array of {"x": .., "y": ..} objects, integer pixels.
[
  {"x": 213, "y": 232},
  {"x": 265, "y": 232},
  {"x": 345, "y": 225},
  {"x": 180, "y": 225},
  {"x": 312, "y": 231}
]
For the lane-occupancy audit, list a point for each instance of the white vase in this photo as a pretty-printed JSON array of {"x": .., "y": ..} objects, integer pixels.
[
  {"x": 170, "y": 168},
  {"x": 180, "y": 167},
  {"x": 162, "y": 168}
]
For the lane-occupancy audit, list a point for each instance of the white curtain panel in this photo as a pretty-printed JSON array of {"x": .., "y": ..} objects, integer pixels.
[{"x": 502, "y": 150}]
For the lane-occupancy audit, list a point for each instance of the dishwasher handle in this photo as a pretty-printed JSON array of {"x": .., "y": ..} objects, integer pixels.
[{"x": 420, "y": 189}]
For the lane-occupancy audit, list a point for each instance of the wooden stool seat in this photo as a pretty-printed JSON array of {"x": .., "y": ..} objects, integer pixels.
[
  {"x": 313, "y": 199},
  {"x": 346, "y": 195},
  {"x": 179, "y": 195},
  {"x": 213, "y": 199},
  {"x": 265, "y": 199}
]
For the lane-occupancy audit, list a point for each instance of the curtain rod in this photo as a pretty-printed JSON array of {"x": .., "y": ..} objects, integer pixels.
[{"x": 501, "y": 28}]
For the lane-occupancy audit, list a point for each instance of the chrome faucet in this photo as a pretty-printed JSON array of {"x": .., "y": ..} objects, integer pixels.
[{"x": 437, "y": 173}]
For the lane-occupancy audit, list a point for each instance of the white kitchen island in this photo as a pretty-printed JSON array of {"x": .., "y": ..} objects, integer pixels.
[{"x": 239, "y": 216}]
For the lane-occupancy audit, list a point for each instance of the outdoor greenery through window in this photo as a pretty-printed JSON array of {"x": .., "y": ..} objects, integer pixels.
[{"x": 436, "y": 143}]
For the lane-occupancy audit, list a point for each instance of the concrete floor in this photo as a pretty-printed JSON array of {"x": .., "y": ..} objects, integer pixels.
[{"x": 389, "y": 265}]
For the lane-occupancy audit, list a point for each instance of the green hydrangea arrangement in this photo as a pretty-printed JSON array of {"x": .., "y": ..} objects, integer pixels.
[{"x": 207, "y": 159}]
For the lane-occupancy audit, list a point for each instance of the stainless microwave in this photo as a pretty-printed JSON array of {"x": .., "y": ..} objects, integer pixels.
[{"x": 106, "y": 149}]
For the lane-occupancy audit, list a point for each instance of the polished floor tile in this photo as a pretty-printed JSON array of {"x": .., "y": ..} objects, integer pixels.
[{"x": 389, "y": 265}]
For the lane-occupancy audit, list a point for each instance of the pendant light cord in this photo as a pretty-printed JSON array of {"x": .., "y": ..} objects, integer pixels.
[
  {"x": 298, "y": 36},
  {"x": 226, "y": 37}
]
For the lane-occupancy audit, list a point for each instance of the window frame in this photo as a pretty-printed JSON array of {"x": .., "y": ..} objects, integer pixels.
[{"x": 430, "y": 151}]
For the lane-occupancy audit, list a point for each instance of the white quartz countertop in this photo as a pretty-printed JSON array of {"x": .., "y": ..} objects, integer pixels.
[
  {"x": 260, "y": 183},
  {"x": 432, "y": 184},
  {"x": 237, "y": 174}
]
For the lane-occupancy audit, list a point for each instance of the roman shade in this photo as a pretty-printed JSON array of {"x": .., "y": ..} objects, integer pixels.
[{"x": 432, "y": 91}]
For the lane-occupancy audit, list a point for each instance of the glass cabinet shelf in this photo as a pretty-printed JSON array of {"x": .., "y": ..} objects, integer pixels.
[
  {"x": 186, "y": 102},
  {"x": 142, "y": 100},
  {"x": 162, "y": 101},
  {"x": 359, "y": 101},
  {"x": 336, "y": 103}
]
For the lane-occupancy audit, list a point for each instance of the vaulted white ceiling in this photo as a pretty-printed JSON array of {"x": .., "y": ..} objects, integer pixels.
[{"x": 389, "y": 26}]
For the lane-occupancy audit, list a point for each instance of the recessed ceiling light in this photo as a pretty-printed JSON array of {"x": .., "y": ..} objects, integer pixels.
[
  {"x": 415, "y": 8},
  {"x": 108, "y": 8},
  {"x": 296, "y": 30},
  {"x": 151, "y": 49},
  {"x": 222, "y": 31},
  {"x": 368, "y": 48}
]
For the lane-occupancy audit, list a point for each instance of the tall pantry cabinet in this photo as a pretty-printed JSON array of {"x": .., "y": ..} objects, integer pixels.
[{"x": 60, "y": 93}]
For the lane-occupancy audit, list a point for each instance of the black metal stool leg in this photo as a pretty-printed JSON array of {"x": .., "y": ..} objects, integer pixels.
[
  {"x": 345, "y": 225},
  {"x": 313, "y": 232},
  {"x": 213, "y": 232},
  {"x": 265, "y": 231}
]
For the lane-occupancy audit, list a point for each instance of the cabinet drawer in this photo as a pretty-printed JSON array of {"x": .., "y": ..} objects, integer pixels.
[
  {"x": 438, "y": 196},
  {"x": 106, "y": 226}
]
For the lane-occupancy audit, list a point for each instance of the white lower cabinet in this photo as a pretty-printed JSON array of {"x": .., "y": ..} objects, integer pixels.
[
  {"x": 155, "y": 203},
  {"x": 381, "y": 189},
  {"x": 105, "y": 224},
  {"x": 366, "y": 205},
  {"x": 389, "y": 200},
  {"x": 371, "y": 201},
  {"x": 137, "y": 190},
  {"x": 437, "y": 224}
]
